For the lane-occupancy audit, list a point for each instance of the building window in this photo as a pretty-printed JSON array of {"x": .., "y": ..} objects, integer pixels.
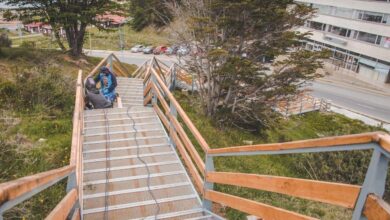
[
  {"x": 316, "y": 25},
  {"x": 367, "y": 37},
  {"x": 339, "y": 31},
  {"x": 371, "y": 16},
  {"x": 343, "y": 12}
]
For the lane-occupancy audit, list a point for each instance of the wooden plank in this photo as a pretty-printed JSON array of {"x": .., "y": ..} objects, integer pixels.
[
  {"x": 161, "y": 116},
  {"x": 76, "y": 119},
  {"x": 119, "y": 100},
  {"x": 183, "y": 115},
  {"x": 147, "y": 88},
  {"x": 61, "y": 211},
  {"x": 76, "y": 214},
  {"x": 188, "y": 144},
  {"x": 375, "y": 208},
  {"x": 320, "y": 142},
  {"x": 135, "y": 73},
  {"x": 384, "y": 141},
  {"x": 259, "y": 209},
  {"x": 13, "y": 189},
  {"x": 188, "y": 162},
  {"x": 117, "y": 70},
  {"x": 124, "y": 70},
  {"x": 98, "y": 66},
  {"x": 147, "y": 99},
  {"x": 148, "y": 72},
  {"x": 160, "y": 97},
  {"x": 344, "y": 195}
]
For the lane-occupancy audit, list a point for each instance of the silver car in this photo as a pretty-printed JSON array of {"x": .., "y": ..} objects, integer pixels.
[{"x": 137, "y": 48}]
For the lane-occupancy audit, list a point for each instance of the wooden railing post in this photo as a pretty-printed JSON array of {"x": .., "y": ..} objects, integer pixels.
[
  {"x": 173, "y": 113},
  {"x": 154, "y": 98},
  {"x": 173, "y": 78},
  {"x": 110, "y": 63},
  {"x": 374, "y": 181},
  {"x": 207, "y": 204}
]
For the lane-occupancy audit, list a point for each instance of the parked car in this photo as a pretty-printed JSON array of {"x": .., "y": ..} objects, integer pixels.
[
  {"x": 171, "y": 50},
  {"x": 148, "y": 50},
  {"x": 137, "y": 48},
  {"x": 183, "y": 50},
  {"x": 159, "y": 50}
]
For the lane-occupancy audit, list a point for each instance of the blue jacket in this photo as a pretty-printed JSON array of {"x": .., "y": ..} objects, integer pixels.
[{"x": 112, "y": 83}]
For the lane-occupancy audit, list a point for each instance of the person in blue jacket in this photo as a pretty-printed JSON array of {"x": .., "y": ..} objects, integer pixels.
[{"x": 108, "y": 83}]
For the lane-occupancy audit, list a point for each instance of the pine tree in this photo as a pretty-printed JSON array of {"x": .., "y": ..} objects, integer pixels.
[
  {"x": 72, "y": 15},
  {"x": 233, "y": 43}
]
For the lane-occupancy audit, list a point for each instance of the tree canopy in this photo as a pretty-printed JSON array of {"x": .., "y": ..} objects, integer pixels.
[
  {"x": 233, "y": 45},
  {"x": 71, "y": 15},
  {"x": 149, "y": 12}
]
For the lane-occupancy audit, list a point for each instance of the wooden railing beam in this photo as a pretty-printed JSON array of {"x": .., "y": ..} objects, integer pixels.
[
  {"x": 62, "y": 210},
  {"x": 13, "y": 189},
  {"x": 380, "y": 137},
  {"x": 182, "y": 113},
  {"x": 375, "y": 208},
  {"x": 258, "y": 209},
  {"x": 344, "y": 195}
]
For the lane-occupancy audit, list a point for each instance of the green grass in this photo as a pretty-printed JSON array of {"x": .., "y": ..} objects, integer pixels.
[
  {"x": 102, "y": 40},
  {"x": 35, "y": 140},
  {"x": 311, "y": 125}
]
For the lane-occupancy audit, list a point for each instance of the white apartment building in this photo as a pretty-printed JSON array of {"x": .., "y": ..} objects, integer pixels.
[{"x": 356, "y": 31}]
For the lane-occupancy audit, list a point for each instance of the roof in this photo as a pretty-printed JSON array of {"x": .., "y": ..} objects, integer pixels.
[
  {"x": 34, "y": 24},
  {"x": 116, "y": 19}
]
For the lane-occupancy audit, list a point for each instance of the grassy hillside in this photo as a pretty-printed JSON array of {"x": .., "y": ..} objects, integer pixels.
[
  {"x": 36, "y": 105},
  {"x": 348, "y": 167}
]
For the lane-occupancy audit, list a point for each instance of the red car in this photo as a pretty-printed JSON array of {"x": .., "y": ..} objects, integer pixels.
[{"x": 160, "y": 50}]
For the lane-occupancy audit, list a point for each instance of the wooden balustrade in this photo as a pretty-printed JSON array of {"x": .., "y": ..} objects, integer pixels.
[
  {"x": 17, "y": 191},
  {"x": 262, "y": 210},
  {"x": 344, "y": 195},
  {"x": 62, "y": 210},
  {"x": 379, "y": 137},
  {"x": 376, "y": 208},
  {"x": 16, "y": 188}
]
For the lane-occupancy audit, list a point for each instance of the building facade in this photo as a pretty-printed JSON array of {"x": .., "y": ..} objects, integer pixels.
[{"x": 356, "y": 31}]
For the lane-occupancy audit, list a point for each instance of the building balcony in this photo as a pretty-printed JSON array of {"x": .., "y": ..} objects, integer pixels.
[
  {"x": 373, "y": 6},
  {"x": 358, "y": 25},
  {"x": 356, "y": 46}
]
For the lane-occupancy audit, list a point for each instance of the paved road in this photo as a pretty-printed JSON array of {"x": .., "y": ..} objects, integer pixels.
[
  {"x": 132, "y": 58},
  {"x": 372, "y": 104}
]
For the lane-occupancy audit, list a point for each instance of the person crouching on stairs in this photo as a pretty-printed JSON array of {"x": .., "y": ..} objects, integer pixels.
[{"x": 108, "y": 83}]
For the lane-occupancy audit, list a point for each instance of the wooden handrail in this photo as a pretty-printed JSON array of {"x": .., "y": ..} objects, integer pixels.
[
  {"x": 375, "y": 208},
  {"x": 202, "y": 142},
  {"x": 259, "y": 209},
  {"x": 344, "y": 195},
  {"x": 186, "y": 140},
  {"x": 76, "y": 131},
  {"x": 120, "y": 64},
  {"x": 98, "y": 66},
  {"x": 13, "y": 189},
  {"x": 382, "y": 138},
  {"x": 62, "y": 210}
]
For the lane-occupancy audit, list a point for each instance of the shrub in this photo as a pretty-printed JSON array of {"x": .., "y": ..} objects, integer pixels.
[
  {"x": 28, "y": 44},
  {"x": 42, "y": 89},
  {"x": 5, "y": 41}
]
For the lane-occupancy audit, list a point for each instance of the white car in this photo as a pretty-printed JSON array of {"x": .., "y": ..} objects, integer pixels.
[{"x": 137, "y": 48}]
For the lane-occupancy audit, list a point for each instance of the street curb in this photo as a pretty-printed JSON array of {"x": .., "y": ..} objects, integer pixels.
[{"x": 353, "y": 86}]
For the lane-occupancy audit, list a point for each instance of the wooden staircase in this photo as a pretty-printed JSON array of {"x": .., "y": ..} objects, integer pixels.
[
  {"x": 115, "y": 180},
  {"x": 107, "y": 177}
]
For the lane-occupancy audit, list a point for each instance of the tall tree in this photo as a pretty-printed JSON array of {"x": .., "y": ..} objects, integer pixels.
[
  {"x": 232, "y": 45},
  {"x": 149, "y": 12},
  {"x": 71, "y": 15}
]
